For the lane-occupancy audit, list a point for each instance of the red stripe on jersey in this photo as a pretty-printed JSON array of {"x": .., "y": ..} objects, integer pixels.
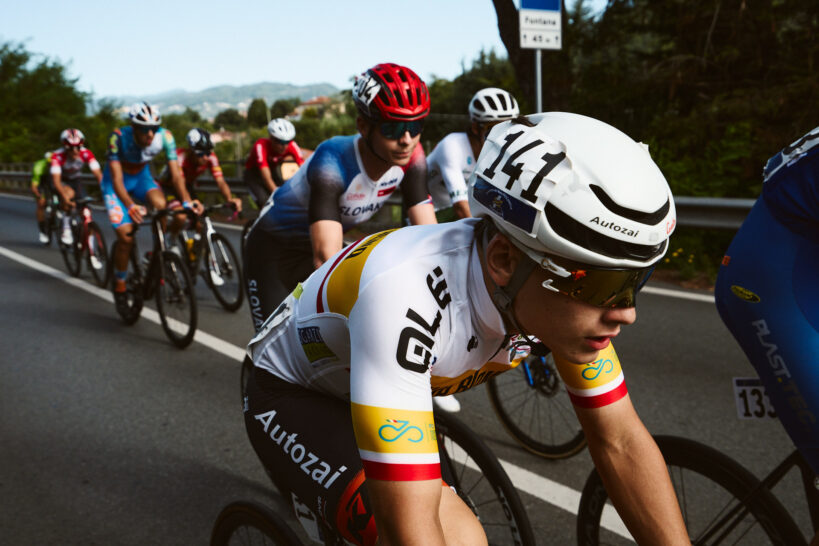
[
  {"x": 402, "y": 472},
  {"x": 319, "y": 303},
  {"x": 386, "y": 191},
  {"x": 601, "y": 399}
]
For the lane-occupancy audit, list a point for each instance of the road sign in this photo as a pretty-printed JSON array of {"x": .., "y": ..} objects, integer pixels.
[{"x": 540, "y": 26}]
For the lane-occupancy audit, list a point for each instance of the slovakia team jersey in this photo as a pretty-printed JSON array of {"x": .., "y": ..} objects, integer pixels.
[
  {"x": 394, "y": 319},
  {"x": 791, "y": 187},
  {"x": 123, "y": 148},
  {"x": 336, "y": 165},
  {"x": 261, "y": 155},
  {"x": 449, "y": 166},
  {"x": 69, "y": 169}
]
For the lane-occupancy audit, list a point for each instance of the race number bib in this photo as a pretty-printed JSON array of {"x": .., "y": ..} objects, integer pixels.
[{"x": 751, "y": 399}]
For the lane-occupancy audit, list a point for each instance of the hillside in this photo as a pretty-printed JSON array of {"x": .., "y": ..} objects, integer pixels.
[{"x": 213, "y": 100}]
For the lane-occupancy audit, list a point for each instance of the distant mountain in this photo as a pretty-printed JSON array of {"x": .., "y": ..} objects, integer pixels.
[{"x": 213, "y": 100}]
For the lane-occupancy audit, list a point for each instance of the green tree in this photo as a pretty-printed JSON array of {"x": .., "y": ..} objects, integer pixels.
[
  {"x": 257, "y": 113},
  {"x": 37, "y": 101},
  {"x": 230, "y": 119},
  {"x": 283, "y": 107}
]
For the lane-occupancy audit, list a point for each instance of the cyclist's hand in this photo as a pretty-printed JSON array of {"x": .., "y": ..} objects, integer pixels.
[
  {"x": 197, "y": 206},
  {"x": 236, "y": 204},
  {"x": 137, "y": 213},
  {"x": 36, "y": 191}
]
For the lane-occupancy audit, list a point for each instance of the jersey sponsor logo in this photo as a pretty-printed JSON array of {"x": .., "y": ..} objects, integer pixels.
[
  {"x": 115, "y": 214},
  {"x": 394, "y": 431},
  {"x": 443, "y": 386},
  {"x": 396, "y": 428},
  {"x": 113, "y": 142},
  {"x": 357, "y": 211},
  {"x": 313, "y": 344},
  {"x": 385, "y": 191},
  {"x": 314, "y": 466},
  {"x": 744, "y": 294},
  {"x": 784, "y": 380},
  {"x": 393, "y": 182},
  {"x": 593, "y": 370},
  {"x": 414, "y": 351},
  {"x": 616, "y": 228},
  {"x": 355, "y": 196}
]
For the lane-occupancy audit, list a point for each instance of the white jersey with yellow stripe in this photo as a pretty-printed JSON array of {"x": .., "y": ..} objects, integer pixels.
[{"x": 386, "y": 323}]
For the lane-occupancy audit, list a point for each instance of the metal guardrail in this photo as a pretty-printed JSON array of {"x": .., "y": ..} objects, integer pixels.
[{"x": 700, "y": 212}]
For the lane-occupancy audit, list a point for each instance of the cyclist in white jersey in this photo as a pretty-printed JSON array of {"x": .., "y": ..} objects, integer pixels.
[
  {"x": 347, "y": 365},
  {"x": 453, "y": 159}
]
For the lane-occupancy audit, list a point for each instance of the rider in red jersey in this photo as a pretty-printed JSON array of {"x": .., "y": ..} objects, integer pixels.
[
  {"x": 66, "y": 166},
  {"x": 261, "y": 177}
]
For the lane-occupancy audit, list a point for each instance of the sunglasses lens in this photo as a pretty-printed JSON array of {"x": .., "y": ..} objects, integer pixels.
[{"x": 396, "y": 129}]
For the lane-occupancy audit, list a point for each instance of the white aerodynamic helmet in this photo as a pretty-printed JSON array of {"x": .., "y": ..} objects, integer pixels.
[
  {"x": 574, "y": 187},
  {"x": 142, "y": 113},
  {"x": 491, "y": 105},
  {"x": 281, "y": 129}
]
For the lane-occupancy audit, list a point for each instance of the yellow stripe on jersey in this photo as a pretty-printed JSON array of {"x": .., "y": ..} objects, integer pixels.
[
  {"x": 387, "y": 430},
  {"x": 602, "y": 371},
  {"x": 342, "y": 287},
  {"x": 442, "y": 386}
]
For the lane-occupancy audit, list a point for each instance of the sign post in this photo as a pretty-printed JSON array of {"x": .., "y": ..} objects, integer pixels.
[{"x": 540, "y": 28}]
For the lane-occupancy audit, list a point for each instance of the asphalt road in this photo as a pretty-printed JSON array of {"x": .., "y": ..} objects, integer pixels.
[{"x": 110, "y": 435}]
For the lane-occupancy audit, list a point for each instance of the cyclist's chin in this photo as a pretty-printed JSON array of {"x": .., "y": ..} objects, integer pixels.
[{"x": 576, "y": 355}]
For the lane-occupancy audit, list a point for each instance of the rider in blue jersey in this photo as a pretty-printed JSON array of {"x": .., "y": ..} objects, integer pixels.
[
  {"x": 345, "y": 182},
  {"x": 768, "y": 295},
  {"x": 127, "y": 179}
]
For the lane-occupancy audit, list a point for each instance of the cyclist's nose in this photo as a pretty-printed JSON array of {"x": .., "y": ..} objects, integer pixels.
[{"x": 621, "y": 315}]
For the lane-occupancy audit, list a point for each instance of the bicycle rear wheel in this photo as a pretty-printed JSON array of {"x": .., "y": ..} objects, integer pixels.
[
  {"x": 223, "y": 272},
  {"x": 133, "y": 283},
  {"x": 72, "y": 254},
  {"x": 482, "y": 483},
  {"x": 97, "y": 249},
  {"x": 720, "y": 502},
  {"x": 175, "y": 300},
  {"x": 534, "y": 407},
  {"x": 246, "y": 523}
]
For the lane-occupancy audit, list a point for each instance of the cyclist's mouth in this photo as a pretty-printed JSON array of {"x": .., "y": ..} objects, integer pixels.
[{"x": 598, "y": 343}]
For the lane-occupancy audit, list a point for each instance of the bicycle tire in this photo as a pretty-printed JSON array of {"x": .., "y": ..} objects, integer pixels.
[
  {"x": 244, "y": 522},
  {"x": 538, "y": 414},
  {"x": 50, "y": 217},
  {"x": 96, "y": 246},
  {"x": 230, "y": 294},
  {"x": 72, "y": 254},
  {"x": 175, "y": 300},
  {"x": 708, "y": 484},
  {"x": 133, "y": 283},
  {"x": 482, "y": 483}
]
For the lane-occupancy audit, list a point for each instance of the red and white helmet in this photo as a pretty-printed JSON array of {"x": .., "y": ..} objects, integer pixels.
[
  {"x": 391, "y": 92},
  {"x": 72, "y": 137},
  {"x": 142, "y": 113}
]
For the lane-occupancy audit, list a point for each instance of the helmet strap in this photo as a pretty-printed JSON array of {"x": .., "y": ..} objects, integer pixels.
[{"x": 369, "y": 144}]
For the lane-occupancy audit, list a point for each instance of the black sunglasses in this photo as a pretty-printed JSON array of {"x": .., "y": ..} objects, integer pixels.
[
  {"x": 145, "y": 129},
  {"x": 396, "y": 129}
]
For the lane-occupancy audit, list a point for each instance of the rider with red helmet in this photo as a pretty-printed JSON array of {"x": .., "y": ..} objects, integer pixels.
[
  {"x": 344, "y": 182},
  {"x": 66, "y": 166}
]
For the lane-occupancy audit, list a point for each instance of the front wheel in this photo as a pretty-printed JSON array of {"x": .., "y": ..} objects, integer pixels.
[
  {"x": 223, "y": 272},
  {"x": 72, "y": 254},
  {"x": 534, "y": 407},
  {"x": 97, "y": 255},
  {"x": 721, "y": 502},
  {"x": 175, "y": 300},
  {"x": 249, "y": 523},
  {"x": 482, "y": 483}
]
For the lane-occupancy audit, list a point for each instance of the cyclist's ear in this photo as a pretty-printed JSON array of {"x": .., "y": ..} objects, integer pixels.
[{"x": 501, "y": 259}]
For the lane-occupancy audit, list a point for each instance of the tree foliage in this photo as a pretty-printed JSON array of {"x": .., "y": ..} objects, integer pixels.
[
  {"x": 257, "y": 113},
  {"x": 283, "y": 107},
  {"x": 230, "y": 119}
]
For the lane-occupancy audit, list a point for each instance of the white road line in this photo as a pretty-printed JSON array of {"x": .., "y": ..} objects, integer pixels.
[
  {"x": 707, "y": 298},
  {"x": 549, "y": 491}
]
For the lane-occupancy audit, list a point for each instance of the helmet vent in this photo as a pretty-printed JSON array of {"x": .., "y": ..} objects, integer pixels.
[
  {"x": 647, "y": 218},
  {"x": 573, "y": 231}
]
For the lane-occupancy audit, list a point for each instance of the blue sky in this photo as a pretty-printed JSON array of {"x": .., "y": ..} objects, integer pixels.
[{"x": 118, "y": 48}]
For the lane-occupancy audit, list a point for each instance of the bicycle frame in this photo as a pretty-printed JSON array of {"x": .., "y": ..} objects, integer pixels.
[{"x": 148, "y": 274}]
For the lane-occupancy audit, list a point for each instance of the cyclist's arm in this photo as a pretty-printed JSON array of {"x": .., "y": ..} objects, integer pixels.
[
  {"x": 93, "y": 164},
  {"x": 450, "y": 160},
  {"x": 407, "y": 512},
  {"x": 267, "y": 176},
  {"x": 634, "y": 472},
  {"x": 224, "y": 189},
  {"x": 36, "y": 175},
  {"x": 415, "y": 192},
  {"x": 326, "y": 231},
  {"x": 178, "y": 182}
]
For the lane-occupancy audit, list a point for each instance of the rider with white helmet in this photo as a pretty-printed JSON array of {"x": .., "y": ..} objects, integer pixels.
[
  {"x": 262, "y": 167},
  {"x": 574, "y": 214},
  {"x": 453, "y": 159}
]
